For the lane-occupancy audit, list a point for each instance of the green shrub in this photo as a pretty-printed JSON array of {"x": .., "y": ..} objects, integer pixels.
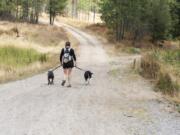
[
  {"x": 43, "y": 58},
  {"x": 178, "y": 108},
  {"x": 18, "y": 57},
  {"x": 150, "y": 67},
  {"x": 131, "y": 50},
  {"x": 135, "y": 50},
  {"x": 168, "y": 56},
  {"x": 153, "y": 66},
  {"x": 166, "y": 85}
]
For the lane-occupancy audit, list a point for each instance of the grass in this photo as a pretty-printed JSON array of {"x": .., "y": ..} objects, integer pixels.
[
  {"x": 131, "y": 50},
  {"x": 169, "y": 58},
  {"x": 42, "y": 35},
  {"x": 150, "y": 67},
  {"x": 16, "y": 63},
  {"x": 47, "y": 36},
  {"x": 163, "y": 66},
  {"x": 166, "y": 85},
  {"x": 36, "y": 49},
  {"x": 114, "y": 72},
  {"x": 19, "y": 57}
]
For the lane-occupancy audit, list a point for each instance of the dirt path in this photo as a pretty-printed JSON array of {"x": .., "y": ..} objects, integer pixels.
[{"x": 123, "y": 106}]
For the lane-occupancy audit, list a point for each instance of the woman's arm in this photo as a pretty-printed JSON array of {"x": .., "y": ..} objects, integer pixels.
[
  {"x": 73, "y": 54},
  {"x": 61, "y": 55}
]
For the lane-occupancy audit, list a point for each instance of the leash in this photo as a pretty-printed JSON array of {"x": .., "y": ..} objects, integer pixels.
[
  {"x": 56, "y": 68},
  {"x": 82, "y": 69},
  {"x": 79, "y": 68}
]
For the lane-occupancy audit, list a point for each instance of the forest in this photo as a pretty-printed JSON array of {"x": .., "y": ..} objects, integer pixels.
[
  {"x": 127, "y": 19},
  {"x": 158, "y": 18},
  {"x": 30, "y": 10}
]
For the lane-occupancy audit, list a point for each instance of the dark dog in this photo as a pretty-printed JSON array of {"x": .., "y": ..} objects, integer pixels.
[
  {"x": 50, "y": 77},
  {"x": 88, "y": 76}
]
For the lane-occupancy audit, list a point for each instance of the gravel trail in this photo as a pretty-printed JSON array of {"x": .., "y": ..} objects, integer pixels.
[{"x": 125, "y": 105}]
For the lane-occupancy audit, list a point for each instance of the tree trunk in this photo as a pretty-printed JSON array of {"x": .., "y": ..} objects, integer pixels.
[
  {"x": 17, "y": 10},
  {"x": 50, "y": 17},
  {"x": 94, "y": 16},
  {"x": 53, "y": 18},
  {"x": 50, "y": 12}
]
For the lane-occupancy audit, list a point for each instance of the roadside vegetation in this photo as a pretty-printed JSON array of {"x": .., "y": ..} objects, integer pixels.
[
  {"x": 163, "y": 68},
  {"x": 35, "y": 49},
  {"x": 19, "y": 57},
  {"x": 136, "y": 19}
]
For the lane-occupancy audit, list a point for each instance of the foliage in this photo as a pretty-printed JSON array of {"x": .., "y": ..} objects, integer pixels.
[
  {"x": 163, "y": 67},
  {"x": 166, "y": 85},
  {"x": 29, "y": 10},
  {"x": 175, "y": 14},
  {"x": 18, "y": 57},
  {"x": 87, "y": 5},
  {"x": 160, "y": 19},
  {"x": 168, "y": 56},
  {"x": 139, "y": 18},
  {"x": 55, "y": 7},
  {"x": 150, "y": 67}
]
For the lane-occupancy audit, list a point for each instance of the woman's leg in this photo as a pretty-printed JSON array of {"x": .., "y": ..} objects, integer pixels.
[
  {"x": 69, "y": 76},
  {"x": 65, "y": 76}
]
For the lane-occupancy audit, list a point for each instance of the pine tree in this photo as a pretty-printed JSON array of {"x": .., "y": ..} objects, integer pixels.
[
  {"x": 54, "y": 8},
  {"x": 175, "y": 15},
  {"x": 137, "y": 17}
]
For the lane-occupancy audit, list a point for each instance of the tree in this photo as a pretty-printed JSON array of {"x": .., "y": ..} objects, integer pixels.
[
  {"x": 74, "y": 8},
  {"x": 175, "y": 15},
  {"x": 25, "y": 7},
  {"x": 36, "y": 8},
  {"x": 55, "y": 7},
  {"x": 137, "y": 18},
  {"x": 21, "y": 10},
  {"x": 6, "y": 9},
  {"x": 160, "y": 20},
  {"x": 122, "y": 16}
]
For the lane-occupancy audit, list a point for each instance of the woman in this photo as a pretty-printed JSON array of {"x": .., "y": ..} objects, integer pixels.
[{"x": 68, "y": 61}]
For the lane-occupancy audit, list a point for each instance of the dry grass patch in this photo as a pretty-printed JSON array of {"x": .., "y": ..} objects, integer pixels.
[
  {"x": 36, "y": 49},
  {"x": 43, "y": 35},
  {"x": 11, "y": 73},
  {"x": 155, "y": 66}
]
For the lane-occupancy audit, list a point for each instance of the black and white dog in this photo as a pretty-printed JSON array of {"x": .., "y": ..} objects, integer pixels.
[
  {"x": 50, "y": 77},
  {"x": 88, "y": 76}
]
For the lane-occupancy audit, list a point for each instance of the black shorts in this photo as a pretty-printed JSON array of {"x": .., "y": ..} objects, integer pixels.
[{"x": 68, "y": 65}]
